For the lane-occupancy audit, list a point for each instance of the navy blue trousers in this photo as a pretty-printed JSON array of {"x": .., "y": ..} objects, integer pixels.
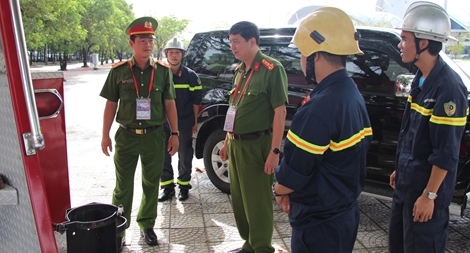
[
  {"x": 336, "y": 235},
  {"x": 185, "y": 160},
  {"x": 407, "y": 236}
]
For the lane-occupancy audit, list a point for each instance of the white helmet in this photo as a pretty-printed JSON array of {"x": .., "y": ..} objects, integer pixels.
[
  {"x": 427, "y": 21},
  {"x": 174, "y": 43}
]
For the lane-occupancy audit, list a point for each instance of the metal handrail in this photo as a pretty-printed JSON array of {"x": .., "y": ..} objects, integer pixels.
[{"x": 35, "y": 139}]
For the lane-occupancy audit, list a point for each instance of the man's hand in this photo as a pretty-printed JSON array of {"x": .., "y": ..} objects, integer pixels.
[
  {"x": 392, "y": 180},
  {"x": 194, "y": 129},
  {"x": 284, "y": 202},
  {"x": 223, "y": 152},
  {"x": 271, "y": 163},
  {"x": 423, "y": 209},
  {"x": 173, "y": 144},
  {"x": 106, "y": 144}
]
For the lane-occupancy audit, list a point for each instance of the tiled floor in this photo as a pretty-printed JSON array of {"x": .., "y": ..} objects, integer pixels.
[{"x": 204, "y": 223}]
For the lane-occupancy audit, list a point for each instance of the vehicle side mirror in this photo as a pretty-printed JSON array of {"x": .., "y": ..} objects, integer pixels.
[{"x": 403, "y": 85}]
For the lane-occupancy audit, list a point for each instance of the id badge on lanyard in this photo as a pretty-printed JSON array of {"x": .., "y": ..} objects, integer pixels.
[
  {"x": 143, "y": 108},
  {"x": 232, "y": 110},
  {"x": 143, "y": 105},
  {"x": 230, "y": 119}
]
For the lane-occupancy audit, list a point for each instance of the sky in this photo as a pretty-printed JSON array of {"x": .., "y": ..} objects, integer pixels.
[{"x": 209, "y": 14}]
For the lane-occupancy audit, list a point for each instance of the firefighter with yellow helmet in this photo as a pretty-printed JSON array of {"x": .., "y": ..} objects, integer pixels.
[
  {"x": 188, "y": 98},
  {"x": 428, "y": 146},
  {"x": 323, "y": 169}
]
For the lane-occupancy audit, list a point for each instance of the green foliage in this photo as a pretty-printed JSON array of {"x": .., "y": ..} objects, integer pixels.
[
  {"x": 455, "y": 49},
  {"x": 71, "y": 26},
  {"x": 168, "y": 27}
]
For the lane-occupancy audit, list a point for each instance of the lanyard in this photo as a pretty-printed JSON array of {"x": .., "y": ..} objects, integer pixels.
[
  {"x": 135, "y": 79},
  {"x": 234, "y": 94}
]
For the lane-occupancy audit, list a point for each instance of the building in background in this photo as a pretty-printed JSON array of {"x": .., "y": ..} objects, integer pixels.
[{"x": 389, "y": 13}]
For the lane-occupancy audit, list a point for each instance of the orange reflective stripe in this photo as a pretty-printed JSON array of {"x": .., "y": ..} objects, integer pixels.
[
  {"x": 420, "y": 109},
  {"x": 454, "y": 121},
  {"x": 334, "y": 146},
  {"x": 304, "y": 145},
  {"x": 353, "y": 140}
]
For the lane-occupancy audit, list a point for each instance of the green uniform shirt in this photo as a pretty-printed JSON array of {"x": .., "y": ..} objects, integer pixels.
[
  {"x": 266, "y": 91},
  {"x": 119, "y": 86}
]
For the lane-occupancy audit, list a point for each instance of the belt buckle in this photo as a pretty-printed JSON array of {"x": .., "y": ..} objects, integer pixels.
[{"x": 139, "y": 131}]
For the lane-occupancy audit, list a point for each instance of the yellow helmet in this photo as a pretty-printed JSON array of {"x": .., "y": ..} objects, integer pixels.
[{"x": 327, "y": 29}]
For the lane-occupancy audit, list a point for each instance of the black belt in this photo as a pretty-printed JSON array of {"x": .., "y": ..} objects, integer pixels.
[
  {"x": 140, "y": 130},
  {"x": 248, "y": 136}
]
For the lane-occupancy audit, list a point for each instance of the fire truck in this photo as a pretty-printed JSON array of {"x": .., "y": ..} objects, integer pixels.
[{"x": 35, "y": 192}]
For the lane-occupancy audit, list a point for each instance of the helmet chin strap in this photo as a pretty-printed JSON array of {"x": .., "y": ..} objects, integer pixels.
[
  {"x": 418, "y": 50},
  {"x": 310, "y": 70}
]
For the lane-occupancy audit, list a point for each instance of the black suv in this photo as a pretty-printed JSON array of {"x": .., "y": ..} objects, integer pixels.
[{"x": 381, "y": 77}]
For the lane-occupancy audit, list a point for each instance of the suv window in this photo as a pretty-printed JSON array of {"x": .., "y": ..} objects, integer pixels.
[
  {"x": 374, "y": 71},
  {"x": 217, "y": 60},
  {"x": 214, "y": 57},
  {"x": 290, "y": 59}
]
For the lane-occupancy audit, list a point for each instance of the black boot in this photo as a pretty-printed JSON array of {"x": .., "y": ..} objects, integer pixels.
[
  {"x": 183, "y": 195},
  {"x": 166, "y": 194}
]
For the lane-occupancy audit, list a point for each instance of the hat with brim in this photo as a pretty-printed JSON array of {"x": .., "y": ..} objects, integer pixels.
[{"x": 142, "y": 26}]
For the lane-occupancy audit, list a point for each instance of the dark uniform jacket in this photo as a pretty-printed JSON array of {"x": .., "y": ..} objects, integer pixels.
[
  {"x": 325, "y": 152},
  {"x": 432, "y": 127},
  {"x": 188, "y": 93}
]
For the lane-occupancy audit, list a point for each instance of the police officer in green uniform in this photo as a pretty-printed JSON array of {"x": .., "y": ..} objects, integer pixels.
[
  {"x": 255, "y": 126},
  {"x": 141, "y": 91}
]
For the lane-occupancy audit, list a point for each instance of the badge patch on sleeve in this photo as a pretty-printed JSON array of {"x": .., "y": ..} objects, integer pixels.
[{"x": 449, "y": 108}]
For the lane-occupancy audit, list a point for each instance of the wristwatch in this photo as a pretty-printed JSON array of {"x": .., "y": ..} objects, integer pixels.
[
  {"x": 274, "y": 192},
  {"x": 175, "y": 133},
  {"x": 276, "y": 151},
  {"x": 430, "y": 195}
]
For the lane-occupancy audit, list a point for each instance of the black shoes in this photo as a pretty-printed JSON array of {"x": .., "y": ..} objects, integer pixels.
[
  {"x": 169, "y": 192},
  {"x": 149, "y": 236},
  {"x": 239, "y": 250},
  {"x": 166, "y": 194},
  {"x": 183, "y": 195}
]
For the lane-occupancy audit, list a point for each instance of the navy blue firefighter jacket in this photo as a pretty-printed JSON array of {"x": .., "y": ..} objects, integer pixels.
[
  {"x": 432, "y": 127},
  {"x": 325, "y": 152},
  {"x": 188, "y": 90}
]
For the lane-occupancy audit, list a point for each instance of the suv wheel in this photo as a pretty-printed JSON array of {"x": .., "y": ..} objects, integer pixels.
[{"x": 217, "y": 170}]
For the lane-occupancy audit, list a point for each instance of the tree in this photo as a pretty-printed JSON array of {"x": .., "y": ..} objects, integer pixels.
[
  {"x": 455, "y": 49},
  {"x": 51, "y": 22},
  {"x": 124, "y": 17},
  {"x": 168, "y": 27},
  {"x": 66, "y": 30},
  {"x": 105, "y": 21}
]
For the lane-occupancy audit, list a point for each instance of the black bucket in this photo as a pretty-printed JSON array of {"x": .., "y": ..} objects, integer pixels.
[{"x": 92, "y": 228}]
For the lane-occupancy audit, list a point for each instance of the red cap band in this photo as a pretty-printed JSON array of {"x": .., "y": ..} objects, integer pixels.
[{"x": 141, "y": 29}]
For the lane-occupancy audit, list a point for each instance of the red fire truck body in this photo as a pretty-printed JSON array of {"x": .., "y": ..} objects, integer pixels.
[{"x": 33, "y": 153}]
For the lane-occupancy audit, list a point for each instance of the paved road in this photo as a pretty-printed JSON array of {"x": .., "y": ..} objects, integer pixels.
[{"x": 205, "y": 222}]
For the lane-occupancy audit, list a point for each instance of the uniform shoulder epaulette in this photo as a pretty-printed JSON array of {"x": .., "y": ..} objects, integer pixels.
[
  {"x": 238, "y": 66},
  {"x": 164, "y": 64},
  {"x": 119, "y": 64},
  {"x": 268, "y": 64}
]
